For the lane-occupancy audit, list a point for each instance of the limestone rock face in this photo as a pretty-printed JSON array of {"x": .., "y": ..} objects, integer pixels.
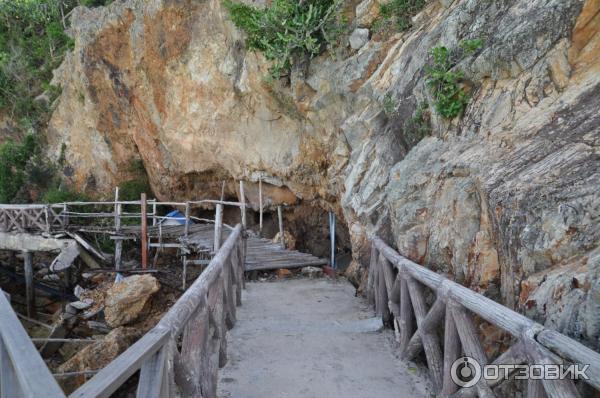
[
  {"x": 127, "y": 300},
  {"x": 504, "y": 198}
]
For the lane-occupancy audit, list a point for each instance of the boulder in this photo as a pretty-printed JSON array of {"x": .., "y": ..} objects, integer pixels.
[
  {"x": 128, "y": 299},
  {"x": 359, "y": 38},
  {"x": 290, "y": 240},
  {"x": 96, "y": 356}
]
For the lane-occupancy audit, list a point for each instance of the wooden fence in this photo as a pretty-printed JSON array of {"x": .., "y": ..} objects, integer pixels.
[
  {"x": 58, "y": 217},
  {"x": 181, "y": 354},
  {"x": 398, "y": 288}
]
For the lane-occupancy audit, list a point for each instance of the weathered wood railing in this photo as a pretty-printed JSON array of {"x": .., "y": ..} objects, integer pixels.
[
  {"x": 197, "y": 323},
  {"x": 396, "y": 286},
  {"x": 21, "y": 218}
]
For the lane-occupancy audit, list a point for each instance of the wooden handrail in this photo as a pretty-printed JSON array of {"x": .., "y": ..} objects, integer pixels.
[
  {"x": 225, "y": 274},
  {"x": 397, "y": 297},
  {"x": 21, "y": 367}
]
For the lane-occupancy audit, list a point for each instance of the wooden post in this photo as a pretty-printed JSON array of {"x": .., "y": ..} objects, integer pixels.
[
  {"x": 65, "y": 219},
  {"x": 144, "y": 237},
  {"x": 118, "y": 242},
  {"x": 406, "y": 315},
  {"x": 451, "y": 353},
  {"x": 186, "y": 230},
  {"x": 260, "y": 205},
  {"x": 48, "y": 218},
  {"x": 332, "y": 237},
  {"x": 29, "y": 288},
  {"x": 281, "y": 233},
  {"x": 471, "y": 344},
  {"x": 218, "y": 226},
  {"x": 154, "y": 216},
  {"x": 243, "y": 200},
  {"x": 431, "y": 347}
]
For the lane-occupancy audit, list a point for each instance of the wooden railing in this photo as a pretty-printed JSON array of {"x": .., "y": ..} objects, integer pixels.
[
  {"x": 197, "y": 323},
  {"x": 398, "y": 288},
  {"x": 23, "y": 218}
]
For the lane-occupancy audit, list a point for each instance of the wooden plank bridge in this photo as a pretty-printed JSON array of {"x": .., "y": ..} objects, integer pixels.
[{"x": 182, "y": 355}]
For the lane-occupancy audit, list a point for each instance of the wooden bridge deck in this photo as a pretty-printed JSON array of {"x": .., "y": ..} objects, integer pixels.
[{"x": 261, "y": 254}]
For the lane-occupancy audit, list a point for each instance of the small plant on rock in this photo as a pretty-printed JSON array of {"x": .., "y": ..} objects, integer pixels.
[
  {"x": 400, "y": 12},
  {"x": 418, "y": 126},
  {"x": 450, "y": 97},
  {"x": 390, "y": 105}
]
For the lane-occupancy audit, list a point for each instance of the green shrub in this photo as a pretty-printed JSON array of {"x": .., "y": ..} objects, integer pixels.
[
  {"x": 133, "y": 189},
  {"x": 32, "y": 44},
  {"x": 288, "y": 31},
  {"x": 13, "y": 161},
  {"x": 450, "y": 98},
  {"x": 60, "y": 195},
  {"x": 400, "y": 12}
]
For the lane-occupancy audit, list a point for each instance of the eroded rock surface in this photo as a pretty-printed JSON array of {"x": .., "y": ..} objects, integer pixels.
[
  {"x": 504, "y": 199},
  {"x": 96, "y": 356},
  {"x": 128, "y": 299}
]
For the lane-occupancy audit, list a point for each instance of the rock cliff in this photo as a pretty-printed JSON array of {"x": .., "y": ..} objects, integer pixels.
[{"x": 506, "y": 198}]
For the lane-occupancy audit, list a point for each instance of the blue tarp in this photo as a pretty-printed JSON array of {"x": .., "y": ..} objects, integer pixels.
[{"x": 175, "y": 216}]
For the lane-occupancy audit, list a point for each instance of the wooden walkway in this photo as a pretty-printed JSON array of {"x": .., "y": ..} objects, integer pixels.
[
  {"x": 182, "y": 354},
  {"x": 261, "y": 254}
]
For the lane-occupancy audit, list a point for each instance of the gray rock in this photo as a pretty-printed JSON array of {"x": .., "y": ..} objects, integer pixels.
[
  {"x": 359, "y": 38},
  {"x": 312, "y": 272},
  {"x": 83, "y": 304}
]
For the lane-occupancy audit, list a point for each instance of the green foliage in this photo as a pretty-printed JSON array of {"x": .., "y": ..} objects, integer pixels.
[
  {"x": 32, "y": 44},
  {"x": 390, "y": 105},
  {"x": 95, "y": 3},
  {"x": 14, "y": 158},
  {"x": 399, "y": 13},
  {"x": 449, "y": 95},
  {"x": 133, "y": 189},
  {"x": 288, "y": 31},
  {"x": 418, "y": 126},
  {"x": 60, "y": 194}
]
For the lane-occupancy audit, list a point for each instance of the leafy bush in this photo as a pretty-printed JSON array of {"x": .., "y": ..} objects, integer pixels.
[
  {"x": 288, "y": 31},
  {"x": 400, "y": 12},
  {"x": 32, "y": 44},
  {"x": 13, "y": 160},
  {"x": 450, "y": 97},
  {"x": 60, "y": 194}
]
